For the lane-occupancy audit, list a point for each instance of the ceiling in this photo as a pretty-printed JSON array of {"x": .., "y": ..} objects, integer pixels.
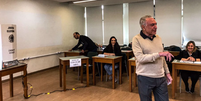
[{"x": 101, "y": 2}]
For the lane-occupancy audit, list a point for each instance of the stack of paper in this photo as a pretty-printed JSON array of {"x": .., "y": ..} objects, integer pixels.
[{"x": 102, "y": 55}]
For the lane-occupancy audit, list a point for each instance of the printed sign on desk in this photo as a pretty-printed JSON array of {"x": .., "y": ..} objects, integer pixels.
[
  {"x": 75, "y": 62},
  {"x": 9, "y": 42}
]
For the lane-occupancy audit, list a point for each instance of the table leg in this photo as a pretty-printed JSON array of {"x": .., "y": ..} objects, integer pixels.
[
  {"x": 25, "y": 82},
  {"x": 64, "y": 77},
  {"x": 135, "y": 77},
  {"x": 87, "y": 72},
  {"x": 113, "y": 75},
  {"x": 11, "y": 85},
  {"x": 94, "y": 76},
  {"x": 130, "y": 77},
  {"x": 60, "y": 73},
  {"x": 120, "y": 72},
  {"x": 174, "y": 81},
  {"x": 101, "y": 72},
  {"x": 1, "y": 94},
  {"x": 81, "y": 73},
  {"x": 127, "y": 55}
]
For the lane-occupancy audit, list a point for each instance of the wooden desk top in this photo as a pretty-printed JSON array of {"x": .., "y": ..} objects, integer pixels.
[
  {"x": 186, "y": 62},
  {"x": 132, "y": 59},
  {"x": 108, "y": 57},
  {"x": 74, "y": 51},
  {"x": 126, "y": 51},
  {"x": 12, "y": 67},
  {"x": 100, "y": 50},
  {"x": 73, "y": 57}
]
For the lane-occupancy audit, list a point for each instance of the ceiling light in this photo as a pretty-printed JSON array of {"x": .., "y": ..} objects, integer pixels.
[{"x": 83, "y": 1}]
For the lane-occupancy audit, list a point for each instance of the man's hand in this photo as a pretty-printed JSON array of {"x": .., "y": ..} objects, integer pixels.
[
  {"x": 82, "y": 51},
  {"x": 70, "y": 50},
  {"x": 167, "y": 54},
  {"x": 169, "y": 78}
]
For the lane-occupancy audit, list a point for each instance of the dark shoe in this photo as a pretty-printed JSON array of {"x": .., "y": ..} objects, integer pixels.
[
  {"x": 97, "y": 74},
  {"x": 86, "y": 72},
  {"x": 187, "y": 89},
  {"x": 110, "y": 78},
  {"x": 115, "y": 80},
  {"x": 191, "y": 91}
]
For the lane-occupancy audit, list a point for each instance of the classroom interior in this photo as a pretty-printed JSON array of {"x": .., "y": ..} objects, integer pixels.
[{"x": 46, "y": 27}]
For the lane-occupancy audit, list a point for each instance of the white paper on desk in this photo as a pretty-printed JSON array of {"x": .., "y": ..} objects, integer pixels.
[
  {"x": 75, "y": 62},
  {"x": 197, "y": 62},
  {"x": 186, "y": 61},
  {"x": 102, "y": 55}
]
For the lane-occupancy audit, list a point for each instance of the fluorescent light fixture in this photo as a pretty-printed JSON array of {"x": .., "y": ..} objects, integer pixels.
[{"x": 83, "y": 1}]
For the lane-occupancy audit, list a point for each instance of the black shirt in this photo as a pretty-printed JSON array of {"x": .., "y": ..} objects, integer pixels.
[
  {"x": 116, "y": 50},
  {"x": 184, "y": 54},
  {"x": 88, "y": 44}
]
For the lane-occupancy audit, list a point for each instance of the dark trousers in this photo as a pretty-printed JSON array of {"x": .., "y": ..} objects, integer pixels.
[
  {"x": 94, "y": 50},
  {"x": 158, "y": 85},
  {"x": 194, "y": 78}
]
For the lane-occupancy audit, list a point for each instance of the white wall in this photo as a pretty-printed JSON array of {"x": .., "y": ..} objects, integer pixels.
[
  {"x": 42, "y": 27},
  {"x": 168, "y": 18},
  {"x": 136, "y": 11}
]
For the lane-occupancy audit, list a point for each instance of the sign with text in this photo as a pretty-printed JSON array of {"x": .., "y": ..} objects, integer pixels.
[
  {"x": 75, "y": 62},
  {"x": 9, "y": 42}
]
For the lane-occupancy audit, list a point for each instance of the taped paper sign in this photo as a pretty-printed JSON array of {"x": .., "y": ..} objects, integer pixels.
[{"x": 75, "y": 62}]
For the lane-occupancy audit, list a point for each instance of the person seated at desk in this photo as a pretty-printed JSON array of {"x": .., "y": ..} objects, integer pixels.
[
  {"x": 113, "y": 49},
  {"x": 130, "y": 45},
  {"x": 88, "y": 44},
  {"x": 190, "y": 54}
]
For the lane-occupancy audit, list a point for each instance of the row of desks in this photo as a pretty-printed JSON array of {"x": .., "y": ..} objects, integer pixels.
[
  {"x": 65, "y": 61},
  {"x": 111, "y": 60}
]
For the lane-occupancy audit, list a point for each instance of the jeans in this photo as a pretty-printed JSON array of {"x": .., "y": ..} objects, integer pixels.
[{"x": 108, "y": 68}]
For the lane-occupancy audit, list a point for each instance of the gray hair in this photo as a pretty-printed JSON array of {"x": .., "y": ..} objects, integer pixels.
[{"x": 143, "y": 20}]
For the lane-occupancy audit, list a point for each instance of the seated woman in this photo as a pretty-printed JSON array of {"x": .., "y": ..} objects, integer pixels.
[
  {"x": 113, "y": 49},
  {"x": 190, "y": 54}
]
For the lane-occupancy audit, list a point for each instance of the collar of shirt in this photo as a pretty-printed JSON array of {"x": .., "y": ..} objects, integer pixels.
[{"x": 144, "y": 36}]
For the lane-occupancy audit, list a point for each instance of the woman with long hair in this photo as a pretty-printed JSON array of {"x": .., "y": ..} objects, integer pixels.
[{"x": 113, "y": 49}]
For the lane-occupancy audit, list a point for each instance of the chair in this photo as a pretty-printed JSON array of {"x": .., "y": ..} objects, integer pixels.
[
  {"x": 180, "y": 82},
  {"x": 117, "y": 71},
  {"x": 90, "y": 55},
  {"x": 124, "y": 63}
]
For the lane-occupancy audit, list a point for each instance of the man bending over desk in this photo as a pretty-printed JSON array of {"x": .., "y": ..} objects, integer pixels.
[{"x": 87, "y": 43}]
